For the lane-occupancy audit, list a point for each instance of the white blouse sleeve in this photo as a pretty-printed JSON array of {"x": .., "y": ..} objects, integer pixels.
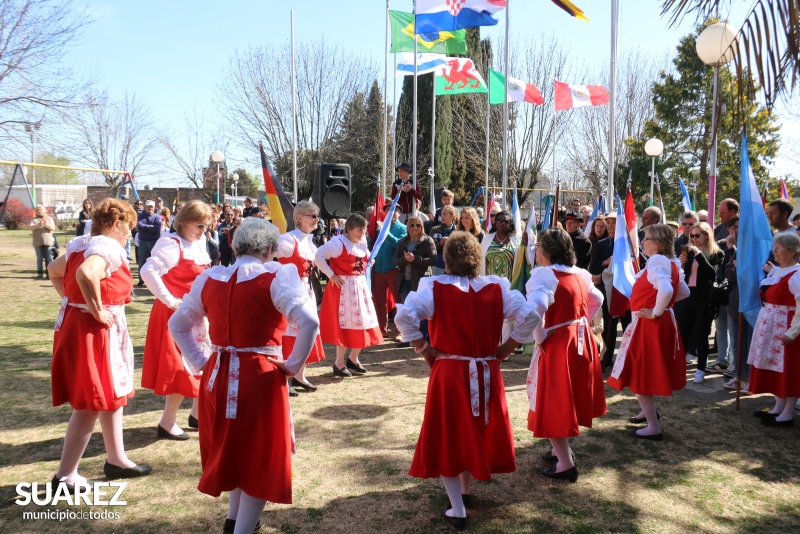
[
  {"x": 331, "y": 249},
  {"x": 290, "y": 297},
  {"x": 418, "y": 306},
  {"x": 794, "y": 287},
  {"x": 166, "y": 255},
  {"x": 190, "y": 314},
  {"x": 659, "y": 273},
  {"x": 108, "y": 249},
  {"x": 285, "y": 247},
  {"x": 541, "y": 289},
  {"x": 595, "y": 296},
  {"x": 516, "y": 308}
]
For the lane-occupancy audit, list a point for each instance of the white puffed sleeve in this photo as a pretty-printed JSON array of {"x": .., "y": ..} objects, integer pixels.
[
  {"x": 190, "y": 314},
  {"x": 285, "y": 247},
  {"x": 516, "y": 308},
  {"x": 108, "y": 249},
  {"x": 794, "y": 287},
  {"x": 290, "y": 297},
  {"x": 331, "y": 249},
  {"x": 417, "y": 307},
  {"x": 541, "y": 289},
  {"x": 659, "y": 273},
  {"x": 166, "y": 255},
  {"x": 595, "y": 296}
]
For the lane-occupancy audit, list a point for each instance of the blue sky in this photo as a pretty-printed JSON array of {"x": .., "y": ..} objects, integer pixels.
[{"x": 172, "y": 54}]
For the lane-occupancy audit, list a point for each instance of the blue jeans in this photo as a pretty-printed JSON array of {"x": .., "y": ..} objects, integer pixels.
[
  {"x": 747, "y": 333},
  {"x": 144, "y": 252},
  {"x": 722, "y": 324},
  {"x": 44, "y": 255}
]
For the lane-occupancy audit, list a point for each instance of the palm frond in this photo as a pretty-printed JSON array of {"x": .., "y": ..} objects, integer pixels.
[{"x": 768, "y": 45}]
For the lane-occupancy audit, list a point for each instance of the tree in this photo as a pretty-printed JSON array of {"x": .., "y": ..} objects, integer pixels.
[
  {"x": 682, "y": 100},
  {"x": 247, "y": 186},
  {"x": 256, "y": 97},
  {"x": 113, "y": 134},
  {"x": 34, "y": 37},
  {"x": 55, "y": 176}
]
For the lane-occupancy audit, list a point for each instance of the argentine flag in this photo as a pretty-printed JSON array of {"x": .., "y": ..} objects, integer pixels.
[
  {"x": 425, "y": 63},
  {"x": 622, "y": 264}
]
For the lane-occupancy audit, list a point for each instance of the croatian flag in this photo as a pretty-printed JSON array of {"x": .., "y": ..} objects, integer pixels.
[
  {"x": 425, "y": 63},
  {"x": 576, "y": 96},
  {"x": 450, "y": 15},
  {"x": 622, "y": 264},
  {"x": 685, "y": 201},
  {"x": 753, "y": 242}
]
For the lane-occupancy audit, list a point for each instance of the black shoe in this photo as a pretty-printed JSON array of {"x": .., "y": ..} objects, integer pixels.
[
  {"x": 341, "y": 372},
  {"x": 776, "y": 423},
  {"x": 307, "y": 386},
  {"x": 355, "y": 367},
  {"x": 113, "y": 472},
  {"x": 193, "y": 422},
  {"x": 640, "y": 420},
  {"x": 570, "y": 474},
  {"x": 550, "y": 457},
  {"x": 764, "y": 414},
  {"x": 292, "y": 392},
  {"x": 458, "y": 523},
  {"x": 651, "y": 437},
  {"x": 164, "y": 434},
  {"x": 230, "y": 526},
  {"x": 469, "y": 502},
  {"x": 404, "y": 344},
  {"x": 140, "y": 284},
  {"x": 57, "y": 482}
]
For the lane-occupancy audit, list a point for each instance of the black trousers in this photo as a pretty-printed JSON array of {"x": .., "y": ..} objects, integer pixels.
[{"x": 694, "y": 323}]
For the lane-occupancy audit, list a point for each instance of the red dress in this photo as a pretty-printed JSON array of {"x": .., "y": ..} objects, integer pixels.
[
  {"x": 81, "y": 372},
  {"x": 453, "y": 439},
  {"x": 252, "y": 450},
  {"x": 763, "y": 380},
  {"x": 162, "y": 369},
  {"x": 304, "y": 267},
  {"x": 568, "y": 388},
  {"x": 651, "y": 359},
  {"x": 347, "y": 316}
]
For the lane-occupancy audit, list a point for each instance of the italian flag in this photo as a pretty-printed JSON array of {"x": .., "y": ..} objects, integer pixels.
[
  {"x": 576, "y": 96},
  {"x": 518, "y": 91}
]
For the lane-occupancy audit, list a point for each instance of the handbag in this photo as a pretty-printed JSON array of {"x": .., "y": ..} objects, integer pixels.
[
  {"x": 55, "y": 249},
  {"x": 718, "y": 296}
]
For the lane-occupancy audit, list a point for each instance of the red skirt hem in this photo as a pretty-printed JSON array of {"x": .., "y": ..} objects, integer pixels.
[
  {"x": 779, "y": 384},
  {"x": 163, "y": 370},
  {"x": 317, "y": 350}
]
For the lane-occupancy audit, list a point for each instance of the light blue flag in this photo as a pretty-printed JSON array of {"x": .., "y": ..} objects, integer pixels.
[
  {"x": 546, "y": 219},
  {"x": 449, "y": 15},
  {"x": 622, "y": 264},
  {"x": 387, "y": 222},
  {"x": 516, "y": 216},
  {"x": 686, "y": 202},
  {"x": 753, "y": 242},
  {"x": 425, "y": 63}
]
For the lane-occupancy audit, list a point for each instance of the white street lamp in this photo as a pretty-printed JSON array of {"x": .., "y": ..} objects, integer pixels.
[
  {"x": 716, "y": 46},
  {"x": 235, "y": 187},
  {"x": 31, "y": 128},
  {"x": 653, "y": 148},
  {"x": 217, "y": 157}
]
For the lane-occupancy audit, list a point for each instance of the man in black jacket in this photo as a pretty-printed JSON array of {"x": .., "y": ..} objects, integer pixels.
[{"x": 581, "y": 243}]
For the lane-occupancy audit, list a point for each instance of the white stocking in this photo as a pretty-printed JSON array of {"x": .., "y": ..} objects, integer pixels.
[
  {"x": 466, "y": 482},
  {"x": 787, "y": 414},
  {"x": 169, "y": 417},
  {"x": 233, "y": 503},
  {"x": 354, "y": 355},
  {"x": 452, "y": 486},
  {"x": 111, "y": 423},
  {"x": 250, "y": 510},
  {"x": 79, "y": 430},
  {"x": 340, "y": 356},
  {"x": 780, "y": 404},
  {"x": 562, "y": 452},
  {"x": 648, "y": 404}
]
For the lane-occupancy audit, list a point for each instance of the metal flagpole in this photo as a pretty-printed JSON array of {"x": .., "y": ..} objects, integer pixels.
[
  {"x": 486, "y": 172},
  {"x": 294, "y": 116},
  {"x": 505, "y": 117},
  {"x": 394, "y": 129},
  {"x": 385, "y": 103},
  {"x": 433, "y": 141},
  {"x": 414, "y": 121},
  {"x": 612, "y": 100}
]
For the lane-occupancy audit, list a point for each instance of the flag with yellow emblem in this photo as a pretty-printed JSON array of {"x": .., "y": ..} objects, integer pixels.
[{"x": 440, "y": 42}]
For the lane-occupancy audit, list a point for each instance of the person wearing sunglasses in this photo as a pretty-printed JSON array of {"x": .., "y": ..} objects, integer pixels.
[
  {"x": 415, "y": 254},
  {"x": 176, "y": 261},
  {"x": 688, "y": 220},
  {"x": 700, "y": 261},
  {"x": 297, "y": 248}
]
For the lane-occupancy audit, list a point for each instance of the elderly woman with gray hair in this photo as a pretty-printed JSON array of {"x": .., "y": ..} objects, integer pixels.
[
  {"x": 774, "y": 351},
  {"x": 297, "y": 248},
  {"x": 42, "y": 227},
  {"x": 246, "y": 437}
]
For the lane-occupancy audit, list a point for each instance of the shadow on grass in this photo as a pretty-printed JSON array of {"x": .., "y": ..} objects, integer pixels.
[{"x": 349, "y": 412}]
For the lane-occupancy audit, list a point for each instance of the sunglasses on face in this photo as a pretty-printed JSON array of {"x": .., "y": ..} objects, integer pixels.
[
  {"x": 201, "y": 226},
  {"x": 315, "y": 217},
  {"x": 696, "y": 236},
  {"x": 502, "y": 221},
  {"x": 415, "y": 226}
]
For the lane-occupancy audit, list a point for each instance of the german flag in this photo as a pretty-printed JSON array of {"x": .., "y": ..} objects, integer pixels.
[
  {"x": 571, "y": 8},
  {"x": 280, "y": 208}
]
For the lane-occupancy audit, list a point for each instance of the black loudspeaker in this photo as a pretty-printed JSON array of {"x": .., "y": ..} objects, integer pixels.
[{"x": 332, "y": 189}]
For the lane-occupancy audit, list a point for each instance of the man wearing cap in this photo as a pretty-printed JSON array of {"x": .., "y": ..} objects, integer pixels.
[
  {"x": 385, "y": 272},
  {"x": 403, "y": 186},
  {"x": 159, "y": 205},
  {"x": 148, "y": 226},
  {"x": 581, "y": 243}
]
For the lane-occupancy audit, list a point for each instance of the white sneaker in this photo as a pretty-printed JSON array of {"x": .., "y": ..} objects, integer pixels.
[
  {"x": 730, "y": 384},
  {"x": 690, "y": 357},
  {"x": 699, "y": 377},
  {"x": 746, "y": 388}
]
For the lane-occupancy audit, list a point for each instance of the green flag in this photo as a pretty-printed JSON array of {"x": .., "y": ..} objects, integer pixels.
[
  {"x": 459, "y": 76},
  {"x": 442, "y": 42}
]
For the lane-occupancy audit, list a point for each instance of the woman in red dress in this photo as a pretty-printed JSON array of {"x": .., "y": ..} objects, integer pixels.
[
  {"x": 774, "y": 351},
  {"x": 651, "y": 360},
  {"x": 177, "y": 259},
  {"x": 565, "y": 379},
  {"x": 466, "y": 432},
  {"x": 92, "y": 365},
  {"x": 246, "y": 433},
  {"x": 347, "y": 316},
  {"x": 297, "y": 248}
]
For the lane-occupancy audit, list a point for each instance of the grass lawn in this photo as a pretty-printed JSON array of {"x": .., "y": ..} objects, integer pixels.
[{"x": 718, "y": 470}]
